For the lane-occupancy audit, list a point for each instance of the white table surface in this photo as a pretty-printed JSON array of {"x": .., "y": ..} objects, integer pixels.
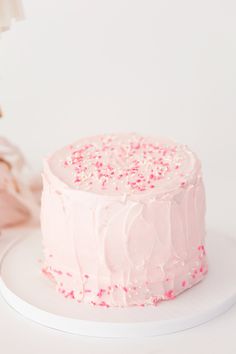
[
  {"x": 19, "y": 335},
  {"x": 169, "y": 70}
]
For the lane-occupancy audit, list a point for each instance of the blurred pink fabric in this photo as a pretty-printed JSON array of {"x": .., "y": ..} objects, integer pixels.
[
  {"x": 10, "y": 10},
  {"x": 17, "y": 198},
  {"x": 19, "y": 192}
]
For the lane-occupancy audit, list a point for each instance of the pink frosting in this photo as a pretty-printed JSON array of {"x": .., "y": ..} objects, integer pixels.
[{"x": 115, "y": 243}]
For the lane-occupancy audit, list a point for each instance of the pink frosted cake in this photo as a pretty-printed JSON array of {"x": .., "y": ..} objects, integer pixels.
[{"x": 123, "y": 220}]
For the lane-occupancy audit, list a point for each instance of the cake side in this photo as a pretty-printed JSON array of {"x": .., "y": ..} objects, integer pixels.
[{"x": 121, "y": 249}]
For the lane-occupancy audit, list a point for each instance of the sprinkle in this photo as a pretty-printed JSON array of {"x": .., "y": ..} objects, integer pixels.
[
  {"x": 128, "y": 163},
  {"x": 70, "y": 294},
  {"x": 183, "y": 283},
  {"x": 155, "y": 301},
  {"x": 103, "y": 303},
  {"x": 100, "y": 292},
  {"x": 169, "y": 294},
  {"x": 59, "y": 272}
]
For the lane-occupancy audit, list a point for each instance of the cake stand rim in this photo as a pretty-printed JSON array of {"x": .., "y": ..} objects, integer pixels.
[{"x": 104, "y": 328}]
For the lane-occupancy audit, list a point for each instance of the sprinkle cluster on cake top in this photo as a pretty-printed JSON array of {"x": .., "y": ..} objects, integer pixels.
[{"x": 124, "y": 163}]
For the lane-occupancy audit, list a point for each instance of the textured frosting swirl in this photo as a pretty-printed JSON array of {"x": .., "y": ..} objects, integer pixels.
[
  {"x": 123, "y": 220},
  {"x": 124, "y": 164}
]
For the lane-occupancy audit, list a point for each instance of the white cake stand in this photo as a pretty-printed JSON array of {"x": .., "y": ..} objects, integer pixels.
[{"x": 29, "y": 293}]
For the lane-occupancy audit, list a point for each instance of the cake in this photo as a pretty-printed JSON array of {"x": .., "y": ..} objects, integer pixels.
[{"x": 123, "y": 220}]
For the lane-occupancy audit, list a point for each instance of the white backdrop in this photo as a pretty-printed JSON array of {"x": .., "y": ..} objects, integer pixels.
[
  {"x": 163, "y": 67},
  {"x": 75, "y": 68}
]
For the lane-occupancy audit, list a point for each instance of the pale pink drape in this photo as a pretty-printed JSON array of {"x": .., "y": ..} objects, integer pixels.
[{"x": 10, "y": 10}]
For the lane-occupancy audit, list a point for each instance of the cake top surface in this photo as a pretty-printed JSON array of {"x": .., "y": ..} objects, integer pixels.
[{"x": 124, "y": 164}]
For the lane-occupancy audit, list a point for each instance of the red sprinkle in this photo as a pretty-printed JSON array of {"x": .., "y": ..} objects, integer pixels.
[
  {"x": 169, "y": 294},
  {"x": 100, "y": 292}
]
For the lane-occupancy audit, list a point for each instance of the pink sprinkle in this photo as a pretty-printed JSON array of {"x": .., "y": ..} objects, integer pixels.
[
  {"x": 59, "y": 272},
  {"x": 69, "y": 274},
  {"x": 125, "y": 289},
  {"x": 169, "y": 294},
  {"x": 70, "y": 294},
  {"x": 86, "y": 276},
  {"x": 77, "y": 180},
  {"x": 100, "y": 292},
  {"x": 103, "y": 303},
  {"x": 201, "y": 269},
  {"x": 183, "y": 283},
  {"x": 87, "y": 291},
  {"x": 98, "y": 162},
  {"x": 155, "y": 301}
]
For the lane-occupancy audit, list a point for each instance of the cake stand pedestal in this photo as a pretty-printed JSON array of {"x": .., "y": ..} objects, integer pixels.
[{"x": 32, "y": 295}]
